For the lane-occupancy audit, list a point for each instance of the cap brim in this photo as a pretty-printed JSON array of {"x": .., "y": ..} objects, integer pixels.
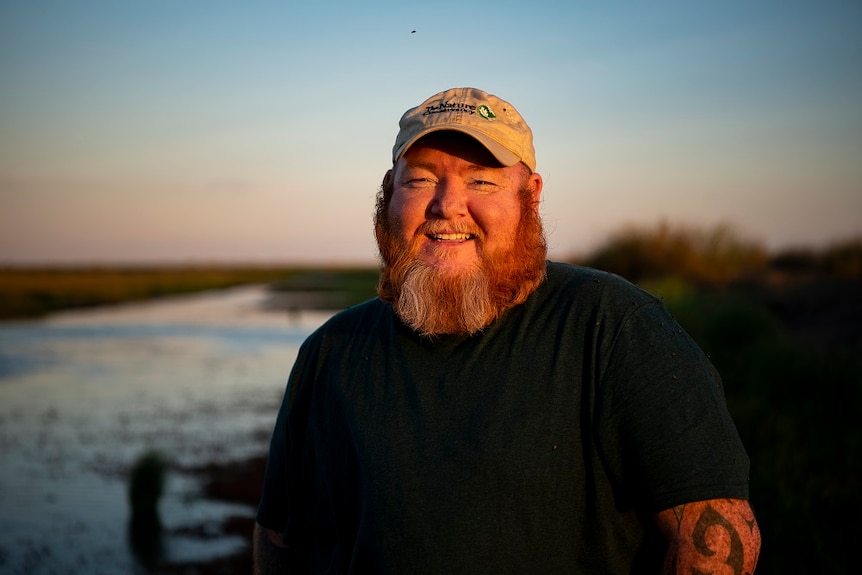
[{"x": 502, "y": 154}]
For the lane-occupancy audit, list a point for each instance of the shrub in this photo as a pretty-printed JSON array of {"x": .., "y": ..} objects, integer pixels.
[
  {"x": 842, "y": 259},
  {"x": 703, "y": 257}
]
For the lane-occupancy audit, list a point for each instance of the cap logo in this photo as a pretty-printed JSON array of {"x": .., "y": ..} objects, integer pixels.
[
  {"x": 485, "y": 112},
  {"x": 449, "y": 107}
]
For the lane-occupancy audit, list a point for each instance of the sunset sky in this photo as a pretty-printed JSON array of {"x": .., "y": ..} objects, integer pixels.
[{"x": 209, "y": 131}]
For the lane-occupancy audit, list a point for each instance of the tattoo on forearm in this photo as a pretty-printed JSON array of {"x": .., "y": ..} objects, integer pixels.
[
  {"x": 715, "y": 535},
  {"x": 714, "y": 538}
]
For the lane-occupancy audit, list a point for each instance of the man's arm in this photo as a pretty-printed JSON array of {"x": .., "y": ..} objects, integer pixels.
[
  {"x": 717, "y": 536},
  {"x": 270, "y": 554}
]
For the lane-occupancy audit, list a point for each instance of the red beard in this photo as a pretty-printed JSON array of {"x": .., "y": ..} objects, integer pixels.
[{"x": 436, "y": 302}]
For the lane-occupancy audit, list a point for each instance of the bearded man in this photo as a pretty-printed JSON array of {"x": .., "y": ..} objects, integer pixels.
[{"x": 491, "y": 411}]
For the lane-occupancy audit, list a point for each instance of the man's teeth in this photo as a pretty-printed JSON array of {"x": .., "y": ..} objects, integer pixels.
[{"x": 452, "y": 237}]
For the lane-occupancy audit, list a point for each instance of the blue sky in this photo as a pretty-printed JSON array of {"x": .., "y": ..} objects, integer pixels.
[{"x": 192, "y": 131}]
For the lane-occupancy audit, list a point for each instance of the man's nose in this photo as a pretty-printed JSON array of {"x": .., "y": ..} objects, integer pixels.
[{"x": 449, "y": 201}]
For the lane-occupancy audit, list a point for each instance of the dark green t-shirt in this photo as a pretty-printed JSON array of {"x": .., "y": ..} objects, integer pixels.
[{"x": 541, "y": 445}]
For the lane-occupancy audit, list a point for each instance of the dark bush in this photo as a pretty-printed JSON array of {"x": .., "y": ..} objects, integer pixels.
[{"x": 701, "y": 257}]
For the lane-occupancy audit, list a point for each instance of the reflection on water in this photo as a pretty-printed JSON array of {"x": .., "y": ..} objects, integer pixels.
[{"x": 198, "y": 378}]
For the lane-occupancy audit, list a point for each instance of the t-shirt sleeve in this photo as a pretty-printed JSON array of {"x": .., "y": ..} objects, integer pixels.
[
  {"x": 664, "y": 430},
  {"x": 271, "y": 511},
  {"x": 276, "y": 509}
]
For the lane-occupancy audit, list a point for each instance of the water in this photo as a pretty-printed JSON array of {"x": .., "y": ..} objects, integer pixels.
[{"x": 83, "y": 394}]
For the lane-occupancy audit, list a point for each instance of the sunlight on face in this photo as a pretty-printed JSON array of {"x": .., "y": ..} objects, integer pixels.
[
  {"x": 453, "y": 203},
  {"x": 460, "y": 238}
]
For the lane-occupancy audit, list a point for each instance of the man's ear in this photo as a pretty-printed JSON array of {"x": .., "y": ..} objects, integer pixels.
[
  {"x": 387, "y": 179},
  {"x": 535, "y": 185}
]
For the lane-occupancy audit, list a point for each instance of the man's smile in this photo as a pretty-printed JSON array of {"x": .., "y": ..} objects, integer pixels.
[{"x": 450, "y": 237}]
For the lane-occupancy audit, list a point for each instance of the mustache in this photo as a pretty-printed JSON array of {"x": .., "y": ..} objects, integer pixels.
[{"x": 435, "y": 227}]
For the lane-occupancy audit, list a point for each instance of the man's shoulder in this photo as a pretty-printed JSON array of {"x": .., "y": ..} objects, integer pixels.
[
  {"x": 566, "y": 272},
  {"x": 360, "y": 317},
  {"x": 582, "y": 281}
]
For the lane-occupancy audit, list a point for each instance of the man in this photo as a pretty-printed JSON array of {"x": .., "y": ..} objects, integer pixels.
[{"x": 492, "y": 412}]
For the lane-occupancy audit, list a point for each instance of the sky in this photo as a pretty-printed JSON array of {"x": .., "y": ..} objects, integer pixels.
[{"x": 197, "y": 132}]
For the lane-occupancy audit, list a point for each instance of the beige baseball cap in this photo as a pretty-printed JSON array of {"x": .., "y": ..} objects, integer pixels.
[{"x": 495, "y": 123}]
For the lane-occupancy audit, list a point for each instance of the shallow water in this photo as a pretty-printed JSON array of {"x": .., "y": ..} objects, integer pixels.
[{"x": 83, "y": 394}]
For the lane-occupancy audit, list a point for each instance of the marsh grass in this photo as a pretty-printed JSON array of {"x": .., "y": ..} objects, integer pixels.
[{"x": 35, "y": 292}]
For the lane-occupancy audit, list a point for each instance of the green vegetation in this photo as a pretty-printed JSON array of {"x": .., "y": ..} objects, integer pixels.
[
  {"x": 842, "y": 259},
  {"x": 332, "y": 288},
  {"x": 32, "y": 292},
  {"x": 702, "y": 257}
]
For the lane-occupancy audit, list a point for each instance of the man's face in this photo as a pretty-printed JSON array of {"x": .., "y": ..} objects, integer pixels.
[
  {"x": 459, "y": 236},
  {"x": 454, "y": 204}
]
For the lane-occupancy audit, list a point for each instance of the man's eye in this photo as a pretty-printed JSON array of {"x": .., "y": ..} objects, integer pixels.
[
  {"x": 418, "y": 181},
  {"x": 484, "y": 184}
]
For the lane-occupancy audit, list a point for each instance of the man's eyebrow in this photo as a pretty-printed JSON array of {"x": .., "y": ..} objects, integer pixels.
[
  {"x": 481, "y": 168},
  {"x": 422, "y": 165}
]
